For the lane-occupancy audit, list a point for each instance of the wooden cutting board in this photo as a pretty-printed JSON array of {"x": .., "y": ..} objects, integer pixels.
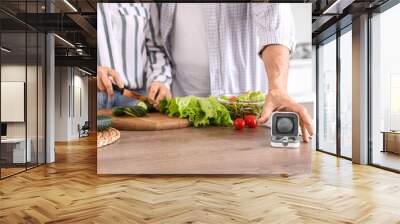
[{"x": 150, "y": 122}]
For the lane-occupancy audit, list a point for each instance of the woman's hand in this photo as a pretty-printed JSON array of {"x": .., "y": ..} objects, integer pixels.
[
  {"x": 157, "y": 92},
  {"x": 106, "y": 77},
  {"x": 278, "y": 100}
]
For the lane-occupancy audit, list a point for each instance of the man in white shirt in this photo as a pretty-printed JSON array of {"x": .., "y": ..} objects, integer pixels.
[{"x": 216, "y": 49}]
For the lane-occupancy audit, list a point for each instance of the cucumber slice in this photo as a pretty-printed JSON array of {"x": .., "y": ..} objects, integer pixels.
[
  {"x": 142, "y": 104},
  {"x": 118, "y": 111},
  {"x": 135, "y": 111}
]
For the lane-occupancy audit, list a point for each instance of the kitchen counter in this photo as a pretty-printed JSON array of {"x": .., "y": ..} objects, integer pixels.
[{"x": 213, "y": 150}]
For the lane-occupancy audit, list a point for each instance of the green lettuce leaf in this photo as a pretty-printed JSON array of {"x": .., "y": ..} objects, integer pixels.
[
  {"x": 251, "y": 96},
  {"x": 199, "y": 111},
  {"x": 256, "y": 96}
]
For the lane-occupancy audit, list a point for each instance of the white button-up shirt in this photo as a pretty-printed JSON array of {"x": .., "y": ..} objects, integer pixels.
[{"x": 236, "y": 33}]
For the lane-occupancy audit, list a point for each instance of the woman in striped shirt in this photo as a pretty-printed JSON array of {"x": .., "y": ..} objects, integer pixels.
[{"x": 130, "y": 54}]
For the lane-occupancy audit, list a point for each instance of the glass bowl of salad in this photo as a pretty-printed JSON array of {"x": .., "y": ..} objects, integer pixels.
[{"x": 242, "y": 104}]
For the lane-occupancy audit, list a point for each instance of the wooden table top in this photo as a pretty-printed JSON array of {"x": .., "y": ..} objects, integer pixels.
[{"x": 213, "y": 150}]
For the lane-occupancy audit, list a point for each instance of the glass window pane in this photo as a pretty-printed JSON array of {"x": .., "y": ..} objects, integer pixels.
[
  {"x": 23, "y": 90},
  {"x": 386, "y": 89},
  {"x": 346, "y": 93},
  {"x": 14, "y": 153},
  {"x": 327, "y": 97}
]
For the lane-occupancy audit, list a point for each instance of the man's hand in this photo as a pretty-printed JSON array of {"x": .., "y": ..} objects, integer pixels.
[
  {"x": 276, "y": 60},
  {"x": 157, "y": 92},
  {"x": 106, "y": 77},
  {"x": 280, "y": 101}
]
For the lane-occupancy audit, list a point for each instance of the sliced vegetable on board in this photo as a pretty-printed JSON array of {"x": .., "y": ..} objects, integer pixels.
[
  {"x": 143, "y": 104},
  {"x": 134, "y": 111}
]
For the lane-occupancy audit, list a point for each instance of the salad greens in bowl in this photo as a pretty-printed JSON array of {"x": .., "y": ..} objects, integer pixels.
[{"x": 240, "y": 105}]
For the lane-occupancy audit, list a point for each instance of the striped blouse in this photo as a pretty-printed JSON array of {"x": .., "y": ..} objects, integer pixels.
[{"x": 128, "y": 40}]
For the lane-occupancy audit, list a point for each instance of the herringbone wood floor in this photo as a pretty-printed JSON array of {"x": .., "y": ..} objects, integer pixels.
[{"x": 69, "y": 191}]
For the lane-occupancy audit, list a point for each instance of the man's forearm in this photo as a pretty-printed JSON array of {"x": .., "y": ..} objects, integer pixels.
[{"x": 276, "y": 61}]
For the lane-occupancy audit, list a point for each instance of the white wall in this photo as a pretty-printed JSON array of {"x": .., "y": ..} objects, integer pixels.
[
  {"x": 15, "y": 72},
  {"x": 80, "y": 110},
  {"x": 33, "y": 127},
  {"x": 301, "y": 83},
  {"x": 302, "y": 21},
  {"x": 71, "y": 93},
  {"x": 62, "y": 81}
]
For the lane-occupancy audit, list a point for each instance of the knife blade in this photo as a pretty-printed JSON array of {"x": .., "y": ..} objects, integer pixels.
[
  {"x": 130, "y": 93},
  {"x": 134, "y": 95}
]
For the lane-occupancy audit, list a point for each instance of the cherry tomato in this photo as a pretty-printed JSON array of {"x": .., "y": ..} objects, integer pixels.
[
  {"x": 251, "y": 121},
  {"x": 239, "y": 123}
]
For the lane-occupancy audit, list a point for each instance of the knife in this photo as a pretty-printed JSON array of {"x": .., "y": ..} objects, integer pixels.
[{"x": 131, "y": 94}]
